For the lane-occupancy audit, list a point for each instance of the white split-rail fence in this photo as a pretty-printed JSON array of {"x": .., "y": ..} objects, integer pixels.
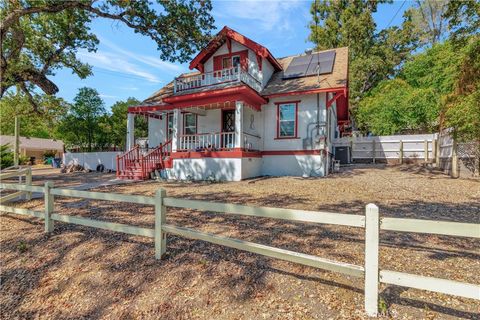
[
  {"x": 371, "y": 222},
  {"x": 17, "y": 173}
]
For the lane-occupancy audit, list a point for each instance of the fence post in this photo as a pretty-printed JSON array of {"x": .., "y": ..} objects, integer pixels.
[
  {"x": 48, "y": 206},
  {"x": 373, "y": 150},
  {"x": 454, "y": 160},
  {"x": 28, "y": 182},
  {"x": 371, "y": 259},
  {"x": 160, "y": 219},
  {"x": 400, "y": 160},
  {"x": 426, "y": 150},
  {"x": 434, "y": 152}
]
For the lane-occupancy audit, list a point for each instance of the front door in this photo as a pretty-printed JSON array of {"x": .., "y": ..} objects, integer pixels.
[{"x": 228, "y": 125}]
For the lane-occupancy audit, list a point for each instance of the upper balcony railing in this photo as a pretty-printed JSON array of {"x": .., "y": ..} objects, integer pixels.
[{"x": 210, "y": 79}]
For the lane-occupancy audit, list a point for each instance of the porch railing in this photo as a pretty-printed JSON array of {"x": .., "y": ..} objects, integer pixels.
[
  {"x": 207, "y": 141},
  {"x": 234, "y": 74},
  {"x": 154, "y": 159},
  {"x": 127, "y": 159}
]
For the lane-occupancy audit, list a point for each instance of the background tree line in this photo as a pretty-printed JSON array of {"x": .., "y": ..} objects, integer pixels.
[
  {"x": 83, "y": 125},
  {"x": 419, "y": 77}
]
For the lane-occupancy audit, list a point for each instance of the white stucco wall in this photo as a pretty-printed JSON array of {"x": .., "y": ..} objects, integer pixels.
[
  {"x": 156, "y": 131},
  {"x": 267, "y": 71},
  {"x": 223, "y": 169},
  {"x": 211, "y": 122},
  {"x": 90, "y": 160},
  {"x": 307, "y": 114},
  {"x": 251, "y": 167},
  {"x": 293, "y": 165}
]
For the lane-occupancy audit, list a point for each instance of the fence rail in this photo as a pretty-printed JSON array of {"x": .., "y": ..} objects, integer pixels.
[
  {"x": 371, "y": 222},
  {"x": 27, "y": 172}
]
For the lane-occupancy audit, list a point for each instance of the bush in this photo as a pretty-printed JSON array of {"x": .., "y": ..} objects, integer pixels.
[{"x": 6, "y": 156}]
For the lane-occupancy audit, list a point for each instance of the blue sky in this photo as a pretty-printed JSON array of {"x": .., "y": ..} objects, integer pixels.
[{"x": 128, "y": 65}]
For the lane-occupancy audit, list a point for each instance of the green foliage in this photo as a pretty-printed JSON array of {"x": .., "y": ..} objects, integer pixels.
[
  {"x": 6, "y": 156},
  {"x": 464, "y": 20},
  {"x": 412, "y": 102},
  {"x": 463, "y": 105},
  {"x": 374, "y": 56},
  {"x": 119, "y": 122},
  {"x": 395, "y": 107},
  {"x": 22, "y": 247},
  {"x": 84, "y": 124},
  {"x": 42, "y": 36},
  {"x": 32, "y": 124}
]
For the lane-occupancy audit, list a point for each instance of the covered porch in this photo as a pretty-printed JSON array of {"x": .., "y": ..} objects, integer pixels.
[{"x": 209, "y": 123}]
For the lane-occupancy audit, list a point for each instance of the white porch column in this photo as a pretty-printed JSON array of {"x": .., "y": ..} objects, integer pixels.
[
  {"x": 177, "y": 129},
  {"x": 239, "y": 124},
  {"x": 130, "y": 143}
]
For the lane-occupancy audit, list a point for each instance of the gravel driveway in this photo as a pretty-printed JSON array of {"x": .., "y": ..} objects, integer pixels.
[{"x": 78, "y": 272}]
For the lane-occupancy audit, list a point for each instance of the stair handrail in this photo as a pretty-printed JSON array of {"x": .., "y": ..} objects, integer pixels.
[
  {"x": 154, "y": 157},
  {"x": 130, "y": 155}
]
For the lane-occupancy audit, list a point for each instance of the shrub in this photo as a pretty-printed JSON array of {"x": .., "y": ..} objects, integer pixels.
[{"x": 6, "y": 156}]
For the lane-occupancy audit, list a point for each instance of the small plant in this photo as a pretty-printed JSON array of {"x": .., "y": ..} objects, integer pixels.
[
  {"x": 382, "y": 307},
  {"x": 22, "y": 247}
]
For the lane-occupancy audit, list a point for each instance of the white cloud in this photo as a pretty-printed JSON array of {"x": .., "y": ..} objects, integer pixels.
[
  {"x": 108, "y": 96},
  {"x": 116, "y": 63},
  {"x": 144, "y": 59},
  {"x": 266, "y": 15}
]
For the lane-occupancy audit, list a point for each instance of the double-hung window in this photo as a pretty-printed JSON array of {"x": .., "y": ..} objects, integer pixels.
[
  {"x": 169, "y": 126},
  {"x": 287, "y": 120},
  {"x": 189, "y": 123}
]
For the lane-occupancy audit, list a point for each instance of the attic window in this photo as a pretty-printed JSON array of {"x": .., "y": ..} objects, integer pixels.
[{"x": 226, "y": 63}]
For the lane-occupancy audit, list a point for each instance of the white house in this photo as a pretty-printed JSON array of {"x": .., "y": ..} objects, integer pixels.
[{"x": 243, "y": 113}]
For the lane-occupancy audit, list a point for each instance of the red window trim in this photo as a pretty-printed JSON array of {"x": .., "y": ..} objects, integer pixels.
[
  {"x": 278, "y": 104},
  {"x": 196, "y": 122}
]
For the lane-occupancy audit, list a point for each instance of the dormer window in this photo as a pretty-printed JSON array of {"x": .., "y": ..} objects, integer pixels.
[
  {"x": 226, "y": 63},
  {"x": 229, "y": 62},
  {"x": 235, "y": 61}
]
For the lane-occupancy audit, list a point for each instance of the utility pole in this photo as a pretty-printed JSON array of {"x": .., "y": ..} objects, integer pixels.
[{"x": 16, "y": 143}]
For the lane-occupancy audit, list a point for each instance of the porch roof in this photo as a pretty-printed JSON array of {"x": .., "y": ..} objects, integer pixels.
[{"x": 208, "y": 99}]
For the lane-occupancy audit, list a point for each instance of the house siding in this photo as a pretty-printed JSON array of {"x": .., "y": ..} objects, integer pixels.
[
  {"x": 307, "y": 116},
  {"x": 156, "y": 131}
]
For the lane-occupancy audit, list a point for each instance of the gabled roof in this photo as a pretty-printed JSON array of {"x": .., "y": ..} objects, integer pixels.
[
  {"x": 277, "y": 85},
  {"x": 221, "y": 38},
  {"x": 33, "y": 143}
]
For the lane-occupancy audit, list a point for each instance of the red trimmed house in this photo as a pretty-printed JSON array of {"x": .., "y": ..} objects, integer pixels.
[{"x": 243, "y": 113}]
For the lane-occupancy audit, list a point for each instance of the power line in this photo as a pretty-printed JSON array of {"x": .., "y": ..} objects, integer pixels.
[{"x": 403, "y": 3}]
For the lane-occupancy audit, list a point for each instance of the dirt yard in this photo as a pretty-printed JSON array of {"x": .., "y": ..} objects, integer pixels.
[{"x": 83, "y": 273}]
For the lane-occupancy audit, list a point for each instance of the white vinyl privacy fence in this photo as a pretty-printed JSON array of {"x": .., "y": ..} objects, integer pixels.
[
  {"x": 401, "y": 147},
  {"x": 371, "y": 222},
  {"x": 90, "y": 160}
]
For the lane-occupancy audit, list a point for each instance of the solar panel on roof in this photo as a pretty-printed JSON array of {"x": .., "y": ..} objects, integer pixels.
[
  {"x": 321, "y": 63},
  {"x": 298, "y": 67},
  {"x": 311, "y": 64}
]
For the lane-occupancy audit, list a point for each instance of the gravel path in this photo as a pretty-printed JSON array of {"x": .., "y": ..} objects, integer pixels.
[{"x": 79, "y": 272}]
